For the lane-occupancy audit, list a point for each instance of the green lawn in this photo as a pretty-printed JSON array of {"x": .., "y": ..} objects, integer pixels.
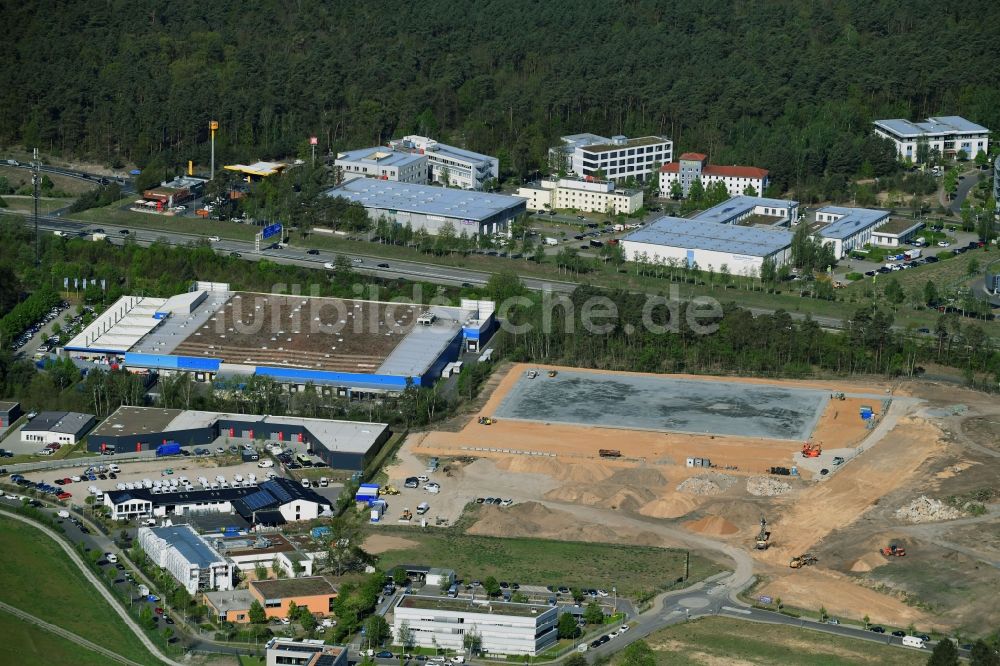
[
  {"x": 37, "y": 577},
  {"x": 717, "y": 640},
  {"x": 27, "y": 204},
  {"x": 115, "y": 214},
  {"x": 25, "y": 643},
  {"x": 637, "y": 571}
]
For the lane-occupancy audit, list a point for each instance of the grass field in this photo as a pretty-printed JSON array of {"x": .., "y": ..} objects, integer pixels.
[
  {"x": 114, "y": 214},
  {"x": 27, "y": 204},
  {"x": 635, "y": 570},
  {"x": 717, "y": 640},
  {"x": 37, "y": 577},
  {"x": 25, "y": 643},
  {"x": 71, "y": 186}
]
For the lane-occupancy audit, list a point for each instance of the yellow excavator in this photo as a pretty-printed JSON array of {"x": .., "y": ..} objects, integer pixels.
[
  {"x": 763, "y": 537},
  {"x": 803, "y": 560}
]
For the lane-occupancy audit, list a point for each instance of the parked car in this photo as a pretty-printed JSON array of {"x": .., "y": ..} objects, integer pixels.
[
  {"x": 313, "y": 252},
  {"x": 432, "y": 488}
]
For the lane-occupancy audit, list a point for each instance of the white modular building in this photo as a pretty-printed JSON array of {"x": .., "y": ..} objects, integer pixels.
[
  {"x": 188, "y": 557},
  {"x": 451, "y": 166},
  {"x": 506, "y": 628},
  {"x": 382, "y": 163},
  {"x": 946, "y": 135},
  {"x": 848, "y": 228},
  {"x": 582, "y": 194},
  {"x": 593, "y": 156},
  {"x": 741, "y": 250}
]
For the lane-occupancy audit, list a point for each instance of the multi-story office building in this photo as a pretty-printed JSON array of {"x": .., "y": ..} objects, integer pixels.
[
  {"x": 188, "y": 557},
  {"x": 451, "y": 166},
  {"x": 694, "y": 166},
  {"x": 945, "y": 135},
  {"x": 588, "y": 196},
  {"x": 617, "y": 158},
  {"x": 383, "y": 163}
]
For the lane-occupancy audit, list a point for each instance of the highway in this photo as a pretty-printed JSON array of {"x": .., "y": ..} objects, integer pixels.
[{"x": 126, "y": 183}]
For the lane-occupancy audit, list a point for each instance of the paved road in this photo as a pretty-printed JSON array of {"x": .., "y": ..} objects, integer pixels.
[
  {"x": 126, "y": 183},
  {"x": 68, "y": 635},
  {"x": 964, "y": 186},
  {"x": 103, "y": 591}
]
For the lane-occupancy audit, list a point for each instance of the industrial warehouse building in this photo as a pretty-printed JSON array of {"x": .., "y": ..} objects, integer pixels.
[
  {"x": 451, "y": 166},
  {"x": 9, "y": 412},
  {"x": 505, "y": 628},
  {"x": 340, "y": 444},
  {"x": 847, "y": 229},
  {"x": 187, "y": 556},
  {"x": 741, "y": 250},
  {"x": 431, "y": 208},
  {"x": 64, "y": 428},
  {"x": 269, "y": 504},
  {"x": 581, "y": 194},
  {"x": 343, "y": 347}
]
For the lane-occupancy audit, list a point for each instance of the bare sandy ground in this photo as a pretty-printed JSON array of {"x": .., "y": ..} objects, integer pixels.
[{"x": 380, "y": 543}]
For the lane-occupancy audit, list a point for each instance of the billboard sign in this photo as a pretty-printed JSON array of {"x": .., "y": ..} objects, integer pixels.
[
  {"x": 313, "y": 140},
  {"x": 271, "y": 230}
]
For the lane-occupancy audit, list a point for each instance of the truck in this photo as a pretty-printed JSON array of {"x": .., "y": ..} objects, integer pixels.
[
  {"x": 549, "y": 240},
  {"x": 99, "y": 237},
  {"x": 378, "y": 508},
  {"x": 168, "y": 449},
  {"x": 912, "y": 254},
  {"x": 913, "y": 641},
  {"x": 59, "y": 233},
  {"x": 609, "y": 453},
  {"x": 320, "y": 532}
]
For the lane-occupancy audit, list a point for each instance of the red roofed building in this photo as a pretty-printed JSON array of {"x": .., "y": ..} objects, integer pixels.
[{"x": 693, "y": 166}]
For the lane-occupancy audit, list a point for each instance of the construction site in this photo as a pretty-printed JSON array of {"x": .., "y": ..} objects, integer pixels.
[{"x": 865, "y": 498}]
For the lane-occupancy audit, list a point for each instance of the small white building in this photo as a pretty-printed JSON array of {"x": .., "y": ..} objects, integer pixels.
[
  {"x": 582, "y": 194},
  {"x": 305, "y": 652},
  {"x": 187, "y": 556},
  {"x": 64, "y": 428},
  {"x": 590, "y": 155},
  {"x": 383, "y": 163},
  {"x": 451, "y": 166},
  {"x": 436, "y": 577},
  {"x": 695, "y": 166},
  {"x": 895, "y": 232},
  {"x": 505, "y": 627},
  {"x": 847, "y": 228},
  {"x": 946, "y": 135}
]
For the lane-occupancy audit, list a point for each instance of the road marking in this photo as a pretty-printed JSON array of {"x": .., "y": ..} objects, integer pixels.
[{"x": 730, "y": 609}]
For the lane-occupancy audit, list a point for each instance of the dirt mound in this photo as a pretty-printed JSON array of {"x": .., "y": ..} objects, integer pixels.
[
  {"x": 765, "y": 486},
  {"x": 713, "y": 525},
  {"x": 532, "y": 519},
  {"x": 610, "y": 496},
  {"x": 669, "y": 506},
  {"x": 867, "y": 562},
  {"x": 380, "y": 543},
  {"x": 926, "y": 510},
  {"x": 557, "y": 469},
  {"x": 642, "y": 477},
  {"x": 706, "y": 484}
]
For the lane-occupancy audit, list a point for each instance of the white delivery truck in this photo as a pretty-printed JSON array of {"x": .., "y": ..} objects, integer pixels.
[
  {"x": 913, "y": 641},
  {"x": 378, "y": 508},
  {"x": 912, "y": 254},
  {"x": 99, "y": 236},
  {"x": 549, "y": 240}
]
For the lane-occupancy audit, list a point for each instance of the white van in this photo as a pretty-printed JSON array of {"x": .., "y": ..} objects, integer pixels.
[{"x": 913, "y": 641}]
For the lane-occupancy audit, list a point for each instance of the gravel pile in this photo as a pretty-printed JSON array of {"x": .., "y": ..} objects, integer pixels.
[
  {"x": 765, "y": 486},
  {"x": 706, "y": 484},
  {"x": 927, "y": 510}
]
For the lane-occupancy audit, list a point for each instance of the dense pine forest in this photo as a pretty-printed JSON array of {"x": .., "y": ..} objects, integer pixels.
[{"x": 790, "y": 85}]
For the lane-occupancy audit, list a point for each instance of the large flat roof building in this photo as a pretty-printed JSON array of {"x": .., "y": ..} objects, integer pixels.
[
  {"x": 451, "y": 166},
  {"x": 382, "y": 163},
  {"x": 848, "y": 228},
  {"x": 946, "y": 135},
  {"x": 505, "y": 628},
  {"x": 742, "y": 250},
  {"x": 187, "y": 556},
  {"x": 64, "y": 428},
  {"x": 741, "y": 208},
  {"x": 430, "y": 208},
  {"x": 617, "y": 158}
]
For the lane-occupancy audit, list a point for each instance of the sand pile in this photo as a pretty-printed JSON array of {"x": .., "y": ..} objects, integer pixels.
[
  {"x": 643, "y": 477},
  {"x": 926, "y": 510},
  {"x": 610, "y": 496},
  {"x": 712, "y": 525},
  {"x": 765, "y": 486},
  {"x": 867, "y": 562},
  {"x": 706, "y": 484},
  {"x": 557, "y": 469},
  {"x": 670, "y": 506}
]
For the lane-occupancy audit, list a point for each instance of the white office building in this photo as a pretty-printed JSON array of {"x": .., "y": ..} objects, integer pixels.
[
  {"x": 694, "y": 166},
  {"x": 188, "y": 557},
  {"x": 305, "y": 652},
  {"x": 505, "y": 627},
  {"x": 847, "y": 228},
  {"x": 451, "y": 166},
  {"x": 587, "y": 196},
  {"x": 63, "y": 428},
  {"x": 946, "y": 135},
  {"x": 382, "y": 163},
  {"x": 593, "y": 156}
]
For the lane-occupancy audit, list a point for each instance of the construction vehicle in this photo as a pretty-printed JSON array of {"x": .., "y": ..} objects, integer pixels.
[
  {"x": 837, "y": 396},
  {"x": 532, "y": 374},
  {"x": 609, "y": 453},
  {"x": 893, "y": 550},
  {"x": 811, "y": 450},
  {"x": 406, "y": 517},
  {"x": 486, "y": 420},
  {"x": 763, "y": 537},
  {"x": 803, "y": 560},
  {"x": 552, "y": 373},
  {"x": 390, "y": 490}
]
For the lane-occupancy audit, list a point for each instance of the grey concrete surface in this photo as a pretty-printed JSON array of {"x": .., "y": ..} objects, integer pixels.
[{"x": 663, "y": 403}]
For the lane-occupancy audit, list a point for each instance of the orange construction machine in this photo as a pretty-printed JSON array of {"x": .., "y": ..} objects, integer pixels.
[
  {"x": 812, "y": 450},
  {"x": 893, "y": 550}
]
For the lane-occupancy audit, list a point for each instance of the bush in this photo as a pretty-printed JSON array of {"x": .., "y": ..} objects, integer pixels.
[{"x": 854, "y": 275}]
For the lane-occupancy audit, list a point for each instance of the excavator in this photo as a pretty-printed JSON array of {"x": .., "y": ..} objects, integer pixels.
[
  {"x": 812, "y": 450},
  {"x": 390, "y": 490},
  {"x": 763, "y": 537},
  {"x": 893, "y": 550},
  {"x": 803, "y": 560},
  {"x": 486, "y": 420}
]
